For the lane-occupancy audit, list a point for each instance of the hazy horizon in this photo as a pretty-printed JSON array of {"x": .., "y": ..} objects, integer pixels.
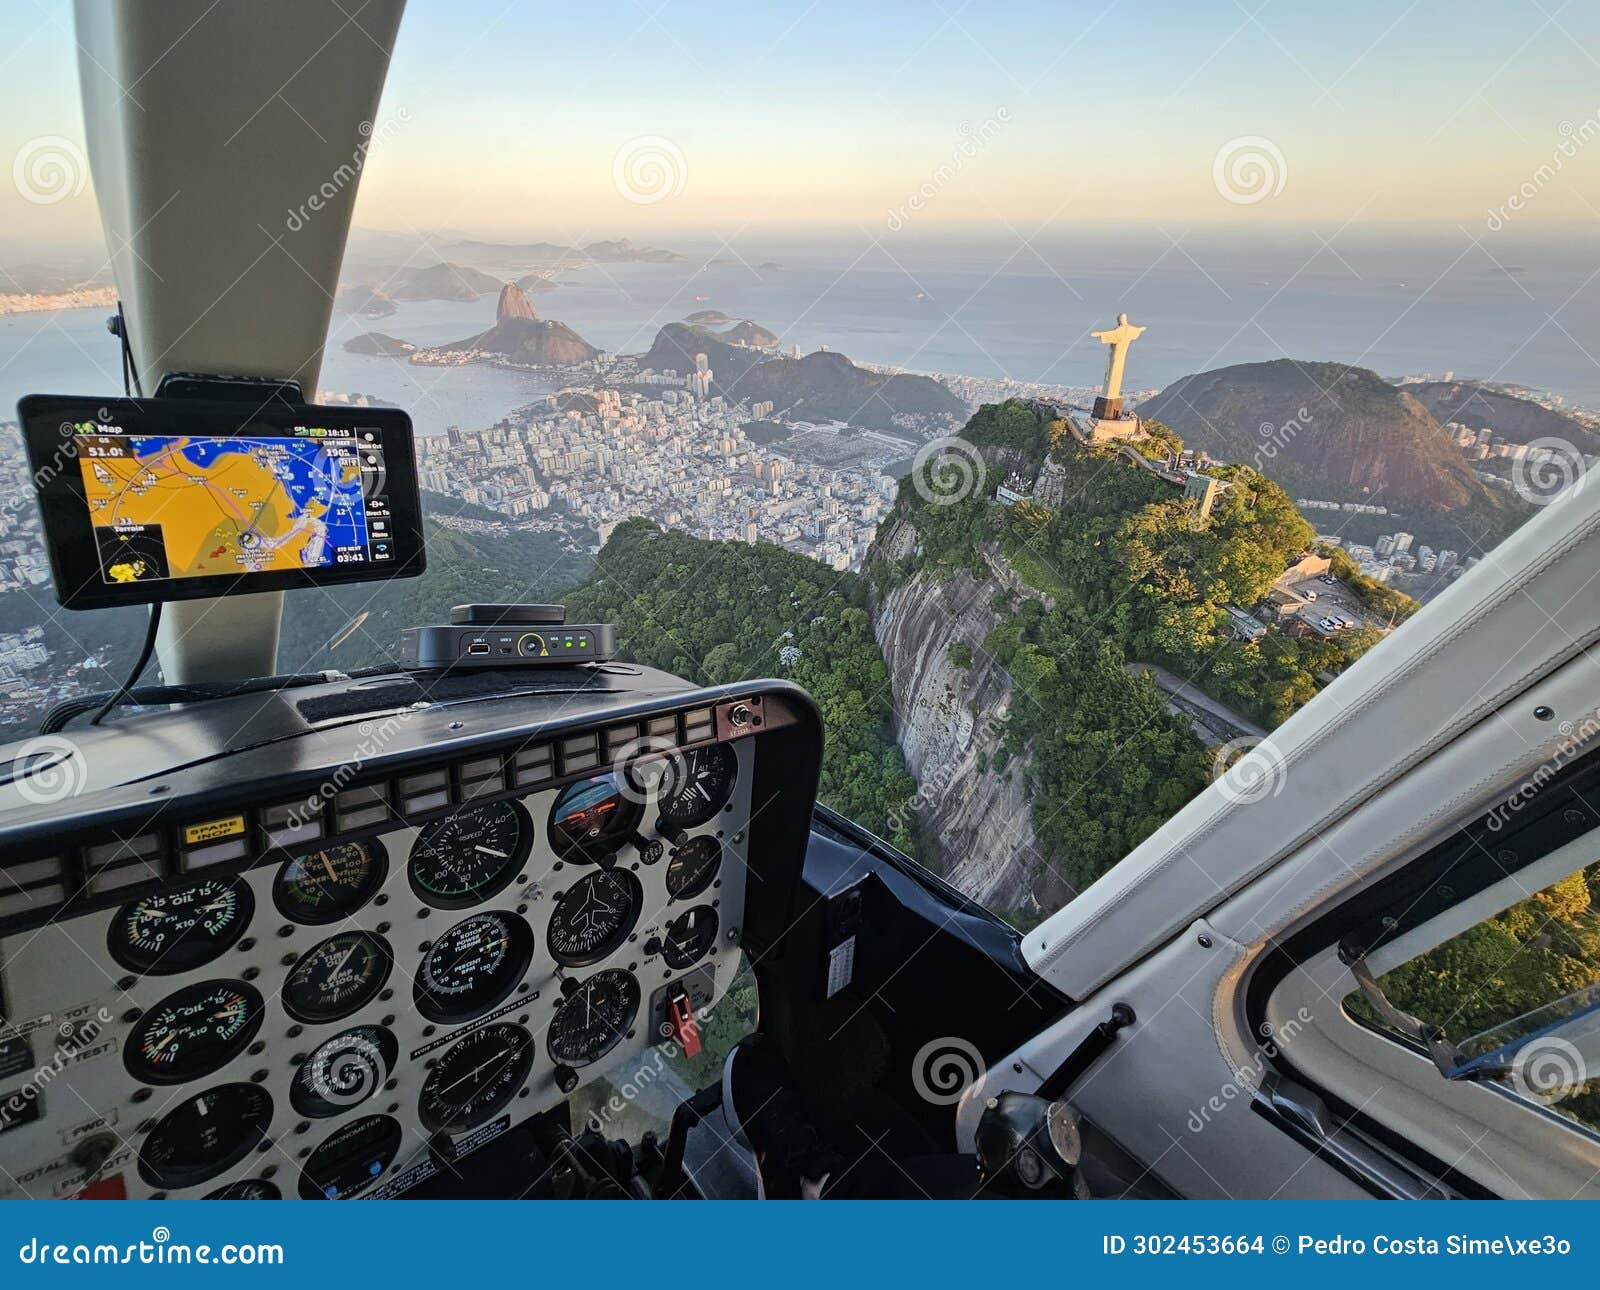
[{"x": 720, "y": 120}]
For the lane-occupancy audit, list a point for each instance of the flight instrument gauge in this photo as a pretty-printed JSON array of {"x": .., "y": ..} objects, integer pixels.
[
  {"x": 337, "y": 976},
  {"x": 693, "y": 866},
  {"x": 696, "y": 786},
  {"x": 350, "y": 1158},
  {"x": 594, "y": 1018},
  {"x": 473, "y": 966},
  {"x": 593, "y": 917},
  {"x": 468, "y": 856},
  {"x": 181, "y": 928},
  {"x": 689, "y": 936},
  {"x": 343, "y": 1071},
  {"x": 476, "y": 1078},
  {"x": 194, "y": 1032},
  {"x": 205, "y": 1135},
  {"x": 592, "y": 818},
  {"x": 331, "y": 884}
]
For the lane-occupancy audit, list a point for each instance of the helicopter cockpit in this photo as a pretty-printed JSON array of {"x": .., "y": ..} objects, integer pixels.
[{"x": 516, "y": 916}]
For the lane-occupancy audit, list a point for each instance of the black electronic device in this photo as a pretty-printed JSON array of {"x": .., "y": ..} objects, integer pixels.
[
  {"x": 178, "y": 498},
  {"x": 508, "y": 615},
  {"x": 510, "y": 641}
]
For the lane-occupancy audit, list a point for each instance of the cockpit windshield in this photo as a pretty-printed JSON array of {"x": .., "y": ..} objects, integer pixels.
[{"x": 1062, "y": 446}]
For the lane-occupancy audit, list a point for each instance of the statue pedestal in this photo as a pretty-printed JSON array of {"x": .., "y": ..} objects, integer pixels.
[
  {"x": 1107, "y": 409},
  {"x": 1094, "y": 429}
]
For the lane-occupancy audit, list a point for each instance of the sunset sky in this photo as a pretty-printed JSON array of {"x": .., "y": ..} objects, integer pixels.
[{"x": 830, "y": 116}]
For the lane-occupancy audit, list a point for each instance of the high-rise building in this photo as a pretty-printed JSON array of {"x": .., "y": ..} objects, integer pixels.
[{"x": 1402, "y": 542}]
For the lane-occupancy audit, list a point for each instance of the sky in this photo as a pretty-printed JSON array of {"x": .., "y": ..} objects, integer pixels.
[{"x": 658, "y": 120}]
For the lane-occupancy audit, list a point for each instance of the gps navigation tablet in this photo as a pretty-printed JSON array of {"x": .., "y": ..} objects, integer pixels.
[{"x": 175, "y": 499}]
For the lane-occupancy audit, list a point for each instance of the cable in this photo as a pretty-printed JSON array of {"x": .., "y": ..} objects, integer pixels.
[
  {"x": 138, "y": 667},
  {"x": 117, "y": 325}
]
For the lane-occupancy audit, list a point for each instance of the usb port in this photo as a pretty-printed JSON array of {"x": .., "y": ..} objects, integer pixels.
[{"x": 478, "y": 647}]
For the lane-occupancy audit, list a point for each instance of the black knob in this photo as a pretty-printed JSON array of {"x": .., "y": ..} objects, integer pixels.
[
  {"x": 570, "y": 986},
  {"x": 652, "y": 946},
  {"x": 566, "y": 1078},
  {"x": 650, "y": 851},
  {"x": 93, "y": 1152}
]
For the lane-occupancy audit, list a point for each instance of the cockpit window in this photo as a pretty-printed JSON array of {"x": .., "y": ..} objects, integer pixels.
[
  {"x": 1060, "y": 465},
  {"x": 1515, "y": 999}
]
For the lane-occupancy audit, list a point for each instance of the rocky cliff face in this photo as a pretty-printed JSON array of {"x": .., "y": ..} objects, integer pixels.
[
  {"x": 949, "y": 729},
  {"x": 513, "y": 303}
]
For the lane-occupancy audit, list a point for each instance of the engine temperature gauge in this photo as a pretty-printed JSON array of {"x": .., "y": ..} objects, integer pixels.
[
  {"x": 328, "y": 885},
  {"x": 337, "y": 976}
]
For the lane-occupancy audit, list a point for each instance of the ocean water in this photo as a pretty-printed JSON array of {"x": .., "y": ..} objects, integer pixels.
[{"x": 1489, "y": 306}]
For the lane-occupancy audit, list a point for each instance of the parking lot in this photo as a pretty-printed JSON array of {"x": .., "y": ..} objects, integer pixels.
[{"x": 1335, "y": 599}]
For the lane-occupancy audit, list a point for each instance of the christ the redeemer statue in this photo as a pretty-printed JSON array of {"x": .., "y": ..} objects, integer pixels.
[{"x": 1109, "y": 405}]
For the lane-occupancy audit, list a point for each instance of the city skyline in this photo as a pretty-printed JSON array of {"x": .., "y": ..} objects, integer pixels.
[{"x": 712, "y": 120}]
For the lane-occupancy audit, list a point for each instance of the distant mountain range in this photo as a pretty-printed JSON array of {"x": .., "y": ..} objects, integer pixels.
[
  {"x": 376, "y": 344},
  {"x": 1511, "y": 418},
  {"x": 821, "y": 386},
  {"x": 442, "y": 281},
  {"x": 1324, "y": 430},
  {"x": 369, "y": 302},
  {"x": 503, "y": 254}
]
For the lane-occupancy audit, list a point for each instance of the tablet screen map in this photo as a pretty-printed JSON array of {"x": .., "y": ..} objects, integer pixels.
[{"x": 188, "y": 506}]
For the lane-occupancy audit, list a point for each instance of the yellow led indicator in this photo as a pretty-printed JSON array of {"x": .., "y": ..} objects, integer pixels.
[{"x": 211, "y": 830}]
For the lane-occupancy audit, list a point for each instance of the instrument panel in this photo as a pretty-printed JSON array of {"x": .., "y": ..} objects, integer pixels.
[{"x": 344, "y": 1016}]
